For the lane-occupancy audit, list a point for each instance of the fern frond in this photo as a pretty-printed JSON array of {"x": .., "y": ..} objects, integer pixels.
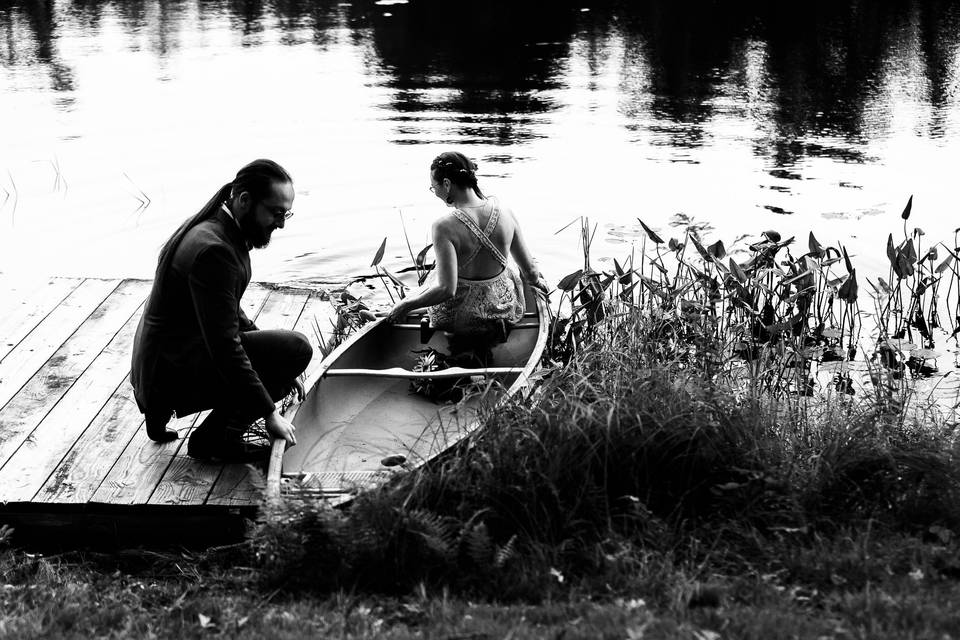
[
  {"x": 506, "y": 552},
  {"x": 476, "y": 541}
]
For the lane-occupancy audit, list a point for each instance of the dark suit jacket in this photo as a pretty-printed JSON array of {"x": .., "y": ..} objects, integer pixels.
[{"x": 187, "y": 353}]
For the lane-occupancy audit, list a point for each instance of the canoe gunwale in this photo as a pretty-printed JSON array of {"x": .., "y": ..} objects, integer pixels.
[
  {"x": 451, "y": 372},
  {"x": 275, "y": 469}
]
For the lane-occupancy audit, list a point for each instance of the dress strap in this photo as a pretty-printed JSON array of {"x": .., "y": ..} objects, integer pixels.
[{"x": 482, "y": 236}]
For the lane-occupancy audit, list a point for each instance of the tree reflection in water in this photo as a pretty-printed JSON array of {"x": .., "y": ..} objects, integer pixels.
[{"x": 800, "y": 70}]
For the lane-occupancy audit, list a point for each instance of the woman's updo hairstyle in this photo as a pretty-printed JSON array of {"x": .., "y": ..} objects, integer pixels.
[{"x": 458, "y": 168}]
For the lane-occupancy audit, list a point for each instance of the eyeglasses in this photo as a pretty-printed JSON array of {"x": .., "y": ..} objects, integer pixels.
[
  {"x": 279, "y": 212},
  {"x": 433, "y": 190}
]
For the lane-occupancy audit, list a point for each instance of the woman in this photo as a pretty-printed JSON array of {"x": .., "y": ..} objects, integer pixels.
[{"x": 473, "y": 289}]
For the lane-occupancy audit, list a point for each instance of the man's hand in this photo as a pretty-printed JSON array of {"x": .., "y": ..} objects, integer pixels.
[
  {"x": 281, "y": 427},
  {"x": 301, "y": 392}
]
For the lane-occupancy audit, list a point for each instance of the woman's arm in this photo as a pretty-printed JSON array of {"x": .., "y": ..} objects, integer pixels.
[
  {"x": 529, "y": 270},
  {"x": 446, "y": 282}
]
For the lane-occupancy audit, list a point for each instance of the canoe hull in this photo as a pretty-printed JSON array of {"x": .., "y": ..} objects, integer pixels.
[{"x": 347, "y": 425}]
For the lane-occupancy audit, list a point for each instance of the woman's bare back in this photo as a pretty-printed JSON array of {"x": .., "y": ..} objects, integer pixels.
[{"x": 484, "y": 264}]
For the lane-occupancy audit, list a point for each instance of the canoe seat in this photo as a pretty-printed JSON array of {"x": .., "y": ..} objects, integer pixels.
[{"x": 501, "y": 330}]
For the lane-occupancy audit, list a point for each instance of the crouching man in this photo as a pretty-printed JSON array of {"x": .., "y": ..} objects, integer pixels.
[{"x": 195, "y": 349}]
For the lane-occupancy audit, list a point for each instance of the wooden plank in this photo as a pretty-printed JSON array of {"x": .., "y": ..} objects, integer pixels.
[
  {"x": 397, "y": 372},
  {"x": 42, "y": 394},
  {"x": 26, "y": 304},
  {"x": 47, "y": 337},
  {"x": 89, "y": 461},
  {"x": 51, "y": 445},
  {"x": 240, "y": 484},
  {"x": 135, "y": 474}
]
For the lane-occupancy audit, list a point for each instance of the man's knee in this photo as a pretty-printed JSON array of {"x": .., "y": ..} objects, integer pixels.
[{"x": 301, "y": 350}]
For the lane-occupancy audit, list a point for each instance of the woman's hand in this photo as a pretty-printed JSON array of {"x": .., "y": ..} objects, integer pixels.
[
  {"x": 541, "y": 284},
  {"x": 397, "y": 313}
]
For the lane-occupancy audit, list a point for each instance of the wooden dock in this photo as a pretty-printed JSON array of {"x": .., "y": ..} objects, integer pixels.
[{"x": 75, "y": 460}]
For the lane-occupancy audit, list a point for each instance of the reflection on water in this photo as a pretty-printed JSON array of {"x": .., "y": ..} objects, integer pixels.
[{"x": 745, "y": 116}]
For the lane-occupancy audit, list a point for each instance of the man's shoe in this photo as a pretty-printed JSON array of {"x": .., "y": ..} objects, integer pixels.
[
  {"x": 157, "y": 427},
  {"x": 228, "y": 450}
]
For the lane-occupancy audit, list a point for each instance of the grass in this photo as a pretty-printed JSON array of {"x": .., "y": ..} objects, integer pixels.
[
  {"x": 694, "y": 466},
  {"x": 852, "y": 587}
]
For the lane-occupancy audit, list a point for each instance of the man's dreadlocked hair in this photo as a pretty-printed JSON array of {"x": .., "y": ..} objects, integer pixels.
[{"x": 256, "y": 178}]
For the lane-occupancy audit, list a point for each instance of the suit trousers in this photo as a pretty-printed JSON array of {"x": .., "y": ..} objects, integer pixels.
[{"x": 277, "y": 355}]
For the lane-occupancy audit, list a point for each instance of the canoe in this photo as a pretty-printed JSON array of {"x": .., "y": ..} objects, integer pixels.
[{"x": 359, "y": 422}]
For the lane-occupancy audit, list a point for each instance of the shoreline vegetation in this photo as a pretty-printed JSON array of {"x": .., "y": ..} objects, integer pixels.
[{"x": 716, "y": 448}]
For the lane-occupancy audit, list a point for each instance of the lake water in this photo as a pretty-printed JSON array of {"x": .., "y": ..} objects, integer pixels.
[{"x": 118, "y": 119}]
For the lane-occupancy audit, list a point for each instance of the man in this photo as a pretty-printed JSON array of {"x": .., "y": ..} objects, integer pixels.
[{"x": 195, "y": 349}]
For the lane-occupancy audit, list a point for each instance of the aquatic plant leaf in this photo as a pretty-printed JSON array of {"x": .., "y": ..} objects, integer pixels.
[
  {"x": 397, "y": 281},
  {"x": 772, "y": 236},
  {"x": 674, "y": 244},
  {"x": 379, "y": 255},
  {"x": 699, "y": 247},
  {"x": 943, "y": 266},
  {"x": 423, "y": 255},
  {"x": 891, "y": 251},
  {"x": 570, "y": 281},
  {"x": 899, "y": 344},
  {"x": 816, "y": 249},
  {"x": 616, "y": 265},
  {"x": 737, "y": 272},
  {"x": 831, "y": 333},
  {"x": 717, "y": 250},
  {"x": 783, "y": 243},
  {"x": 654, "y": 287},
  {"x": 907, "y": 209},
  {"x": 902, "y": 267},
  {"x": 925, "y": 354},
  {"x": 692, "y": 306},
  {"x": 848, "y": 292},
  {"x": 650, "y": 232},
  {"x": 788, "y": 324},
  {"x": 910, "y": 252},
  {"x": 799, "y": 276}
]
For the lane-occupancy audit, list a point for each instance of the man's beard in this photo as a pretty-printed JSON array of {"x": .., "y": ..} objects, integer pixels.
[{"x": 257, "y": 236}]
